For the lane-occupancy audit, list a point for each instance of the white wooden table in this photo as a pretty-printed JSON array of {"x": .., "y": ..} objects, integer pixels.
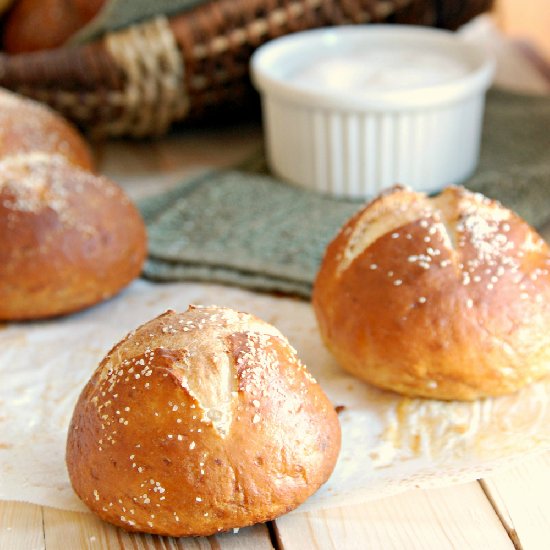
[{"x": 504, "y": 511}]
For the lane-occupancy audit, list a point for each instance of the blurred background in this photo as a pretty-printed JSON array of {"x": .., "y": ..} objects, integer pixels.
[
  {"x": 528, "y": 21},
  {"x": 36, "y": 24},
  {"x": 195, "y": 61}
]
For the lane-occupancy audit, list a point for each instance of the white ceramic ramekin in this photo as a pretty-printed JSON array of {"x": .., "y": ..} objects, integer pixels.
[{"x": 358, "y": 144}]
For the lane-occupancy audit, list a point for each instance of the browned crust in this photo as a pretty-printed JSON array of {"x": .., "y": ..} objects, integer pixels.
[
  {"x": 27, "y": 126},
  {"x": 33, "y": 25},
  {"x": 463, "y": 328},
  {"x": 141, "y": 456},
  {"x": 69, "y": 239}
]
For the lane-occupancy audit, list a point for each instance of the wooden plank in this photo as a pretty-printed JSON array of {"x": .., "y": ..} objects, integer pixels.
[
  {"x": 148, "y": 167},
  {"x": 21, "y": 526},
  {"x": 251, "y": 538},
  {"x": 521, "y": 497},
  {"x": 453, "y": 517},
  {"x": 79, "y": 530}
]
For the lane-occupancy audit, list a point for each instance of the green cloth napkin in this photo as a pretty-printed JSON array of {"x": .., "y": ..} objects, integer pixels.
[{"x": 246, "y": 228}]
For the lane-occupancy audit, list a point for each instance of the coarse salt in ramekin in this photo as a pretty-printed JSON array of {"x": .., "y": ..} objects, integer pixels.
[{"x": 352, "y": 110}]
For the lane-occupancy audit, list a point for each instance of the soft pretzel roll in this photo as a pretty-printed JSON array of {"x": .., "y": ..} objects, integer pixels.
[
  {"x": 57, "y": 21},
  {"x": 4, "y": 5},
  {"x": 69, "y": 238},
  {"x": 27, "y": 126},
  {"x": 199, "y": 422},
  {"x": 445, "y": 297}
]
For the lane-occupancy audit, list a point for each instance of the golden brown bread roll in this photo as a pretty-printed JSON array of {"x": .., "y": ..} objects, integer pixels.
[
  {"x": 27, "y": 126},
  {"x": 44, "y": 24},
  {"x": 4, "y": 5},
  {"x": 445, "y": 297},
  {"x": 200, "y": 422},
  {"x": 69, "y": 238}
]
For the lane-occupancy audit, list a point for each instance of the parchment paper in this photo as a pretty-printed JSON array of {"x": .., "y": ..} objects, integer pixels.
[{"x": 389, "y": 443}]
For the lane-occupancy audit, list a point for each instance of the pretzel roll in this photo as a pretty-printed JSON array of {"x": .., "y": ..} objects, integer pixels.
[
  {"x": 69, "y": 238},
  {"x": 4, "y": 5},
  {"x": 57, "y": 21},
  {"x": 445, "y": 297},
  {"x": 27, "y": 126},
  {"x": 199, "y": 422}
]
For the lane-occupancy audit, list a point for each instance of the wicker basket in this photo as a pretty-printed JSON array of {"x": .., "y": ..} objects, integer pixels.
[{"x": 140, "y": 80}]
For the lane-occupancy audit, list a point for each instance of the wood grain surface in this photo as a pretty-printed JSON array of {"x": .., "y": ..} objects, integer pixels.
[{"x": 505, "y": 511}]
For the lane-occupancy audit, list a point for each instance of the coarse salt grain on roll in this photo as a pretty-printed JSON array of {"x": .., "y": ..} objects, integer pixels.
[
  {"x": 200, "y": 422},
  {"x": 445, "y": 297}
]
